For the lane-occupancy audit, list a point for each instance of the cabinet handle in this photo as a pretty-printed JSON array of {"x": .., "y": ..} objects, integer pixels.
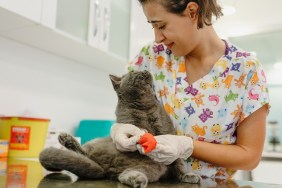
[
  {"x": 107, "y": 24},
  {"x": 96, "y": 19}
]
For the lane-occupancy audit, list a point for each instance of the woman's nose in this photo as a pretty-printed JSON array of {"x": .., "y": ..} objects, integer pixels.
[{"x": 159, "y": 37}]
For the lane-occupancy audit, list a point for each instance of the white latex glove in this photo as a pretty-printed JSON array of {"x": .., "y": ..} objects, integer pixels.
[
  {"x": 169, "y": 148},
  {"x": 126, "y": 136}
]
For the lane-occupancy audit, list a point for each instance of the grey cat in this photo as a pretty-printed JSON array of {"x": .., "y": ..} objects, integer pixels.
[{"x": 99, "y": 158}]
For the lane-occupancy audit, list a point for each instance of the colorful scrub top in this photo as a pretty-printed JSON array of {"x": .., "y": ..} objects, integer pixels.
[{"x": 211, "y": 108}]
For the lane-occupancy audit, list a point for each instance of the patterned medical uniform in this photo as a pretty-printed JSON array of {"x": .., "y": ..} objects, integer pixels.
[{"x": 211, "y": 108}]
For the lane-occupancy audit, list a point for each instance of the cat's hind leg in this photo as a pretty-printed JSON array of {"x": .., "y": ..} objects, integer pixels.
[
  {"x": 140, "y": 175},
  {"x": 70, "y": 143},
  {"x": 54, "y": 159},
  {"x": 182, "y": 173}
]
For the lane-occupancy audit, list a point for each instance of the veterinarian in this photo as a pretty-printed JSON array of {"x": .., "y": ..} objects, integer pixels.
[{"x": 214, "y": 92}]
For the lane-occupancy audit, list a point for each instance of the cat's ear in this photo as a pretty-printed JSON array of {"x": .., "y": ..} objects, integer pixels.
[{"x": 115, "y": 81}]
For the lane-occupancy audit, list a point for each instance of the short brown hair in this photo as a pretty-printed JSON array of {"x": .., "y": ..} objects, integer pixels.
[{"x": 207, "y": 9}]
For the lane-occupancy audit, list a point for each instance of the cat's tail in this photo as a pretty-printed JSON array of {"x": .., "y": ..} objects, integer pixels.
[{"x": 54, "y": 159}]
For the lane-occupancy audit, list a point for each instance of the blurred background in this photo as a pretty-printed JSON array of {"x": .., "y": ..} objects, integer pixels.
[{"x": 56, "y": 55}]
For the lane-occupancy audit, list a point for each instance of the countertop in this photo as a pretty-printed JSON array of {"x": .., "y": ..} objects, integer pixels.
[{"x": 28, "y": 173}]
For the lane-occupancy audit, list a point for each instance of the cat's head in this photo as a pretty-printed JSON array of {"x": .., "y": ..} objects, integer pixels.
[{"x": 134, "y": 87}]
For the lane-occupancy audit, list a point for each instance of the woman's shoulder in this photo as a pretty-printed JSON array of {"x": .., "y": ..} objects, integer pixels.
[{"x": 239, "y": 55}]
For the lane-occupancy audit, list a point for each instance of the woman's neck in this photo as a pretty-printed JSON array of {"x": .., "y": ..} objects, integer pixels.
[
  {"x": 202, "y": 59},
  {"x": 209, "y": 49}
]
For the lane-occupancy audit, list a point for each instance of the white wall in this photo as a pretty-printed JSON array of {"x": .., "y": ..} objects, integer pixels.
[
  {"x": 141, "y": 32},
  {"x": 48, "y": 86}
]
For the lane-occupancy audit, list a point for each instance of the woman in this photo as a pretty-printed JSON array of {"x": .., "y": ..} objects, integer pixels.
[{"x": 214, "y": 92}]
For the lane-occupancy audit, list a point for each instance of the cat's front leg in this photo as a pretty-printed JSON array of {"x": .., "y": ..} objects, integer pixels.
[
  {"x": 140, "y": 175},
  {"x": 70, "y": 143},
  {"x": 182, "y": 173}
]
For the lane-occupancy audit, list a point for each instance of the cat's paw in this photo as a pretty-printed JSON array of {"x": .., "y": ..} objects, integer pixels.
[
  {"x": 191, "y": 178},
  {"x": 133, "y": 178},
  {"x": 70, "y": 143},
  {"x": 65, "y": 139}
]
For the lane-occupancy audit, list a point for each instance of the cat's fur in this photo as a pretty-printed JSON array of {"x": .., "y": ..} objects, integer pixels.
[{"x": 99, "y": 158}]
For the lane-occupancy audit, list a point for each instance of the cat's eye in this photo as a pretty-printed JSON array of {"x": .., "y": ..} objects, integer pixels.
[{"x": 141, "y": 77}]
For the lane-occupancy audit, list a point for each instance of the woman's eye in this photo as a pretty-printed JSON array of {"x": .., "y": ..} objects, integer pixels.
[
  {"x": 162, "y": 27},
  {"x": 158, "y": 27}
]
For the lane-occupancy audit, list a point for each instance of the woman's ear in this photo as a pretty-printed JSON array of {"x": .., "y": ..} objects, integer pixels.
[{"x": 192, "y": 10}]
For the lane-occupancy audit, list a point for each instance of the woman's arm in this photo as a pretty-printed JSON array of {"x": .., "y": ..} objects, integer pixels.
[{"x": 246, "y": 154}]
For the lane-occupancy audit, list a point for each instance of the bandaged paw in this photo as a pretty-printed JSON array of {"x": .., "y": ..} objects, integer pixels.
[
  {"x": 126, "y": 136},
  {"x": 169, "y": 148},
  {"x": 147, "y": 143}
]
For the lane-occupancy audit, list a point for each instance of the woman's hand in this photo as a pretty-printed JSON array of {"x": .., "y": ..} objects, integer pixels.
[
  {"x": 169, "y": 148},
  {"x": 126, "y": 136}
]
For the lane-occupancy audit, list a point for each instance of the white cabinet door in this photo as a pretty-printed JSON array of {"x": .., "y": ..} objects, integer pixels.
[
  {"x": 95, "y": 23},
  {"x": 63, "y": 31},
  {"x": 99, "y": 23},
  {"x": 103, "y": 24},
  {"x": 30, "y": 9},
  {"x": 119, "y": 28},
  {"x": 72, "y": 18},
  {"x": 106, "y": 21}
]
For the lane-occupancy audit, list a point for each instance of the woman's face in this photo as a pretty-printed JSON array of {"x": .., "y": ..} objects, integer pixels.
[{"x": 177, "y": 32}]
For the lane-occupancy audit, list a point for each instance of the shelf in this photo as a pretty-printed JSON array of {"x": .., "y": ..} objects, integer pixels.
[
  {"x": 272, "y": 156},
  {"x": 22, "y": 30}
]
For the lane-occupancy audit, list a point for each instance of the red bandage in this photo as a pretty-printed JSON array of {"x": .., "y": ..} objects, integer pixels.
[{"x": 148, "y": 142}]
